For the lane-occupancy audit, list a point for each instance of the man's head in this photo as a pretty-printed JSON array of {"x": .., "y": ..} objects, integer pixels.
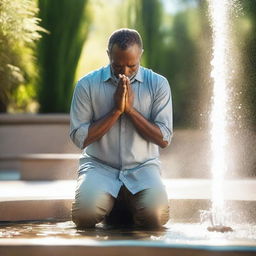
[{"x": 124, "y": 51}]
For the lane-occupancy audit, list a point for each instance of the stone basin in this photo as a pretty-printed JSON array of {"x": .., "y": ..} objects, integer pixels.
[{"x": 35, "y": 220}]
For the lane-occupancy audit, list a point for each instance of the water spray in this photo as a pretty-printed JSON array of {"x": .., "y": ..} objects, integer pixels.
[{"x": 219, "y": 12}]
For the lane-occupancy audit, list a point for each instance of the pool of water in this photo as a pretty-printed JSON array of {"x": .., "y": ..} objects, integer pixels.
[{"x": 193, "y": 233}]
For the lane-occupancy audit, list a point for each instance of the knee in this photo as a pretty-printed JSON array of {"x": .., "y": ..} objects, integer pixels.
[
  {"x": 151, "y": 208},
  {"x": 88, "y": 212},
  {"x": 151, "y": 217},
  {"x": 86, "y": 217},
  {"x": 90, "y": 208}
]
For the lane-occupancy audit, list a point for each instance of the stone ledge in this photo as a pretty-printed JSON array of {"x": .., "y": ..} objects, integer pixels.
[
  {"x": 39, "y": 156},
  {"x": 39, "y": 166},
  {"x": 14, "y": 119},
  {"x": 22, "y": 200},
  {"x": 126, "y": 248},
  {"x": 238, "y": 190},
  {"x": 181, "y": 210},
  {"x": 63, "y": 247}
]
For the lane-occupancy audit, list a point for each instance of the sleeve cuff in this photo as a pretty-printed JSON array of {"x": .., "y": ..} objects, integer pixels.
[
  {"x": 167, "y": 135},
  {"x": 80, "y": 135}
]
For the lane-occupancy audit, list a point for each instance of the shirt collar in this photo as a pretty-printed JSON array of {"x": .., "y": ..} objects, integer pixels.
[{"x": 107, "y": 74}]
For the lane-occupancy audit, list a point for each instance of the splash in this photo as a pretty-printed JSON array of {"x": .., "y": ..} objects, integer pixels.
[{"x": 219, "y": 12}]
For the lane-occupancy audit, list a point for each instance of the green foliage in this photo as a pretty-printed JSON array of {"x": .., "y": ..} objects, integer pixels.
[
  {"x": 59, "y": 51},
  {"x": 172, "y": 49},
  {"x": 181, "y": 65},
  {"x": 18, "y": 31},
  {"x": 149, "y": 25},
  {"x": 146, "y": 17},
  {"x": 247, "y": 29},
  {"x": 179, "y": 46}
]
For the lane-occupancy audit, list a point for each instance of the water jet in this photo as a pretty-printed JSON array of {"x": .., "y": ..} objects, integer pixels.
[{"x": 219, "y": 13}]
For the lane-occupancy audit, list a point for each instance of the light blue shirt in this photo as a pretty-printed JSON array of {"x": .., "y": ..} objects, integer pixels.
[{"x": 121, "y": 156}]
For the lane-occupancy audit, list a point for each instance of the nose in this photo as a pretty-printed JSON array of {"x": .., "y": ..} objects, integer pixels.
[{"x": 125, "y": 71}]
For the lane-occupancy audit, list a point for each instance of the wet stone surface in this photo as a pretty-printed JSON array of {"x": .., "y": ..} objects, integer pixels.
[{"x": 171, "y": 233}]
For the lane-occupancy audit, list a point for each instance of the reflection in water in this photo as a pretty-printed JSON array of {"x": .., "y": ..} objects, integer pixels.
[
  {"x": 68, "y": 230},
  {"x": 172, "y": 233}
]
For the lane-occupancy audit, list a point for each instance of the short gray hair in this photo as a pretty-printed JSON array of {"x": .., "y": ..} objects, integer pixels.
[{"x": 124, "y": 38}]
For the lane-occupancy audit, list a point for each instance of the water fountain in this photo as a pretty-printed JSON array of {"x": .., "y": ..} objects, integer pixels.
[{"x": 219, "y": 12}]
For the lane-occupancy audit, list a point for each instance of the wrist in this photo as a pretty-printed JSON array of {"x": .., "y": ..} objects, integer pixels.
[
  {"x": 129, "y": 111},
  {"x": 117, "y": 112}
]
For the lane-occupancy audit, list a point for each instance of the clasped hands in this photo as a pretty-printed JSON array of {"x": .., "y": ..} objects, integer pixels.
[{"x": 124, "y": 95}]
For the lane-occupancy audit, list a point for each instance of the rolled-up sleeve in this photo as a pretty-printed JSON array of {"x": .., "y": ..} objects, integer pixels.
[
  {"x": 80, "y": 114},
  {"x": 162, "y": 112}
]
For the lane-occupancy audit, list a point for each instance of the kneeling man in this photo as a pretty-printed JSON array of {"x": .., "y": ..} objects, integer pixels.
[{"x": 120, "y": 115}]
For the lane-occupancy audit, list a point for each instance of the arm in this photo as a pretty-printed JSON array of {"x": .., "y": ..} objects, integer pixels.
[
  {"x": 102, "y": 126},
  {"x": 82, "y": 131},
  {"x": 148, "y": 130}
]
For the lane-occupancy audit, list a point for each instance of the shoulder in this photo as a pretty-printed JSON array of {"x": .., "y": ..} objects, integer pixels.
[
  {"x": 91, "y": 77},
  {"x": 154, "y": 80},
  {"x": 84, "y": 84}
]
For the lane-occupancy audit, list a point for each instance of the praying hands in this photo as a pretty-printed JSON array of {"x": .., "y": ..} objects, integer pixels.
[{"x": 124, "y": 95}]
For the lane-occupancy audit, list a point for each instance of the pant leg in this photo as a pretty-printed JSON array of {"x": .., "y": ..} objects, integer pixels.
[
  {"x": 150, "y": 207},
  {"x": 91, "y": 204}
]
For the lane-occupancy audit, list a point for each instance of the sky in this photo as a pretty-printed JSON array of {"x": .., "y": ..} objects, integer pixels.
[{"x": 173, "y": 6}]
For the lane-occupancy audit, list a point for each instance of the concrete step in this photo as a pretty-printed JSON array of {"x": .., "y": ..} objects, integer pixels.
[
  {"x": 30, "y": 200},
  {"x": 38, "y": 166},
  {"x": 90, "y": 245},
  {"x": 35, "y": 133},
  {"x": 187, "y": 157}
]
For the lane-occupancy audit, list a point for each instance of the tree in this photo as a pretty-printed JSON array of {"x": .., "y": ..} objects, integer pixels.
[
  {"x": 18, "y": 30},
  {"x": 247, "y": 29},
  {"x": 171, "y": 49},
  {"x": 59, "y": 51},
  {"x": 146, "y": 17}
]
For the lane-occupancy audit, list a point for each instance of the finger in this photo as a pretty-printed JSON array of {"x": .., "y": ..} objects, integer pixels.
[
  {"x": 128, "y": 85},
  {"x": 124, "y": 91},
  {"x": 127, "y": 80},
  {"x": 124, "y": 80},
  {"x": 121, "y": 80}
]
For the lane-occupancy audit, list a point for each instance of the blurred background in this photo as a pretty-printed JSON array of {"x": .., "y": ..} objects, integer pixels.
[{"x": 47, "y": 45}]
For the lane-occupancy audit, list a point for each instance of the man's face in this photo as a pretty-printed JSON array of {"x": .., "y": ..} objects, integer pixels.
[{"x": 125, "y": 62}]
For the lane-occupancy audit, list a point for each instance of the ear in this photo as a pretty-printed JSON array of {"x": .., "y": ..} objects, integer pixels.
[
  {"x": 108, "y": 53},
  {"x": 142, "y": 50}
]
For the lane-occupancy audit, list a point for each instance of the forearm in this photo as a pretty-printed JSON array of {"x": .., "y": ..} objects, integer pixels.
[
  {"x": 101, "y": 127},
  {"x": 146, "y": 129}
]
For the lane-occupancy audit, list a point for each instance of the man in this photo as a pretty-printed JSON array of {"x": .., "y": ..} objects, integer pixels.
[{"x": 120, "y": 115}]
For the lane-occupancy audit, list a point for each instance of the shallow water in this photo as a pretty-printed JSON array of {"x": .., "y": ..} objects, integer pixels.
[{"x": 194, "y": 233}]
